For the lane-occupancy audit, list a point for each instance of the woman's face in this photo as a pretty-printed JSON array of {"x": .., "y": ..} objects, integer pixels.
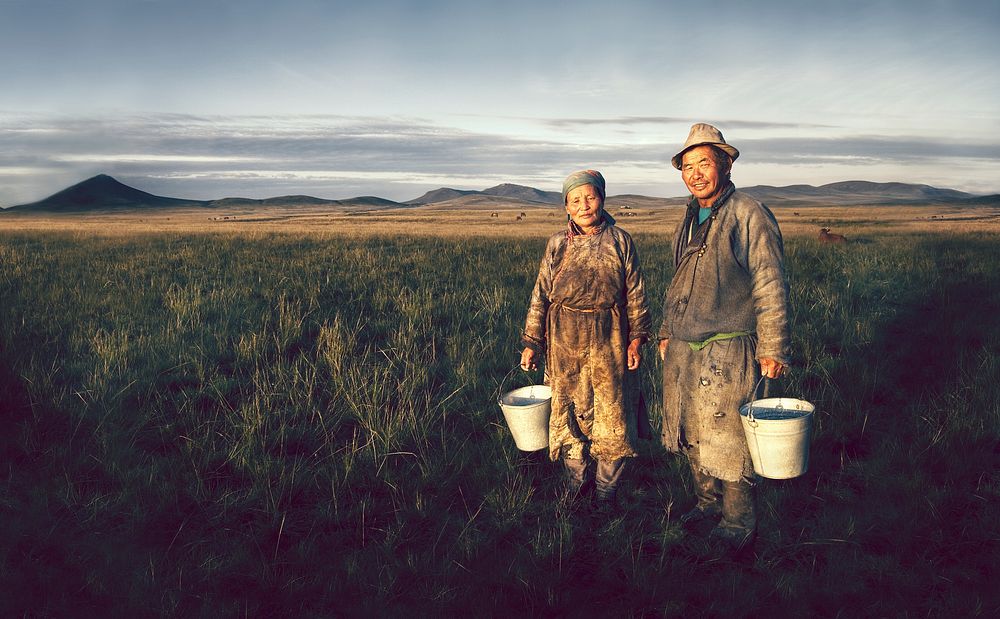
[{"x": 583, "y": 205}]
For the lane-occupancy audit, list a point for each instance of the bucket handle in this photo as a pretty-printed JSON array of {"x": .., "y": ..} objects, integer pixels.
[
  {"x": 503, "y": 382},
  {"x": 767, "y": 388},
  {"x": 751, "y": 420}
]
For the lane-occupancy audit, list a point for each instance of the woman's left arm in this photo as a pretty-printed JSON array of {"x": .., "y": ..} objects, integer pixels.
[{"x": 637, "y": 308}]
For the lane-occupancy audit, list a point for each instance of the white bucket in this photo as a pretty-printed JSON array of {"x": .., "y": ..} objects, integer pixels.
[
  {"x": 527, "y": 413},
  {"x": 778, "y": 432}
]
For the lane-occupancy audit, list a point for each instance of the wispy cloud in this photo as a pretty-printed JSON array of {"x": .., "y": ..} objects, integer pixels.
[
  {"x": 148, "y": 158},
  {"x": 674, "y": 120},
  {"x": 895, "y": 149},
  {"x": 333, "y": 156}
]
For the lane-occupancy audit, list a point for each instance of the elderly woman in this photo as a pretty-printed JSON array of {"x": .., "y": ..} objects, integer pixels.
[{"x": 588, "y": 316}]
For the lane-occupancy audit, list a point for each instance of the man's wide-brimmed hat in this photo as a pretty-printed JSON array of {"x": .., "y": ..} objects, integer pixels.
[{"x": 701, "y": 134}]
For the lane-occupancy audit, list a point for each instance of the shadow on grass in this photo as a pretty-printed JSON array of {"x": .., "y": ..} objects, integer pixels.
[
  {"x": 39, "y": 543},
  {"x": 902, "y": 490}
]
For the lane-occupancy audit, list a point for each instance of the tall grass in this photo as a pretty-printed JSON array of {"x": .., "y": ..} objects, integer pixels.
[{"x": 274, "y": 425}]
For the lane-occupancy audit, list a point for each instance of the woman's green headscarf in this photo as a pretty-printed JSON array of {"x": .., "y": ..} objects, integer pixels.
[{"x": 583, "y": 177}]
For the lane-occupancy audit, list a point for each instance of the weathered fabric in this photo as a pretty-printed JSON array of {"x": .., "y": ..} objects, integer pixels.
[
  {"x": 588, "y": 303},
  {"x": 708, "y": 495},
  {"x": 605, "y": 474},
  {"x": 573, "y": 229},
  {"x": 729, "y": 278},
  {"x": 702, "y": 393},
  {"x": 583, "y": 177}
]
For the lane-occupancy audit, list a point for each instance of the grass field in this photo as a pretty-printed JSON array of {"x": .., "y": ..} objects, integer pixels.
[{"x": 266, "y": 423}]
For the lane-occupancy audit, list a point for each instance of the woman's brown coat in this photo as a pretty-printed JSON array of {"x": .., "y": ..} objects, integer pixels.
[{"x": 588, "y": 303}]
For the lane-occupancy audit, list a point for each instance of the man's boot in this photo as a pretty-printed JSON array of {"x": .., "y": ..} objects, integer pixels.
[
  {"x": 738, "y": 526},
  {"x": 707, "y": 491}
]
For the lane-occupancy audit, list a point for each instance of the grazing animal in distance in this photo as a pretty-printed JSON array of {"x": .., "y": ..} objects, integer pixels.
[
  {"x": 825, "y": 236},
  {"x": 518, "y": 218},
  {"x": 796, "y": 213},
  {"x": 523, "y": 215},
  {"x": 494, "y": 214}
]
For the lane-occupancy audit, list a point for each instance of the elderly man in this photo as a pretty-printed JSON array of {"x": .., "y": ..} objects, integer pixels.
[{"x": 725, "y": 323}]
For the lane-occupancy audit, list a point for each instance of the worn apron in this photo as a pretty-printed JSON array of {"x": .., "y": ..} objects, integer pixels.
[
  {"x": 593, "y": 393},
  {"x": 702, "y": 394}
]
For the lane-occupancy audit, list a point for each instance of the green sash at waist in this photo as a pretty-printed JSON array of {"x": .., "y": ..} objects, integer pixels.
[{"x": 696, "y": 346}]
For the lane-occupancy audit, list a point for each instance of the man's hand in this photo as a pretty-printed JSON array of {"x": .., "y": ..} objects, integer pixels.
[
  {"x": 771, "y": 368},
  {"x": 529, "y": 359},
  {"x": 663, "y": 349}
]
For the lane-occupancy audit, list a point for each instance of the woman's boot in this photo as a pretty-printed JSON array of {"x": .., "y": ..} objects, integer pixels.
[{"x": 606, "y": 483}]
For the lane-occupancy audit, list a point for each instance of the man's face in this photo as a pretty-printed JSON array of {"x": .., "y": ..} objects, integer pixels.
[{"x": 701, "y": 174}]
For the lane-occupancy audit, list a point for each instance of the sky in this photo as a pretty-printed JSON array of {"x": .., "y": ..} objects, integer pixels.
[{"x": 208, "y": 99}]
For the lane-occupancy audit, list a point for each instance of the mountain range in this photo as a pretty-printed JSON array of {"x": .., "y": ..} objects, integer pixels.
[
  {"x": 857, "y": 192},
  {"x": 506, "y": 190},
  {"x": 103, "y": 192}
]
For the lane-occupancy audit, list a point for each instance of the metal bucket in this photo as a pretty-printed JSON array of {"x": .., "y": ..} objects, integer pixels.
[
  {"x": 778, "y": 432},
  {"x": 527, "y": 413}
]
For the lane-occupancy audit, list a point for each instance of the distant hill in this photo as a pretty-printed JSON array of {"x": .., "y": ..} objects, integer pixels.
[
  {"x": 480, "y": 201},
  {"x": 441, "y": 195},
  {"x": 518, "y": 193},
  {"x": 303, "y": 201},
  {"x": 844, "y": 193},
  {"x": 370, "y": 202},
  {"x": 102, "y": 192},
  {"x": 855, "y": 192},
  {"x": 297, "y": 200},
  {"x": 990, "y": 200},
  {"x": 527, "y": 194},
  {"x": 633, "y": 201}
]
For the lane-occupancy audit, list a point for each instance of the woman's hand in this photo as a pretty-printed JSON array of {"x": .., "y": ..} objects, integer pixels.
[
  {"x": 633, "y": 355},
  {"x": 663, "y": 349},
  {"x": 529, "y": 359}
]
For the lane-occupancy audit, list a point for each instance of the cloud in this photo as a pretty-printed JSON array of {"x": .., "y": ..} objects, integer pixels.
[
  {"x": 673, "y": 120},
  {"x": 147, "y": 158},
  {"x": 883, "y": 149},
  {"x": 331, "y": 156}
]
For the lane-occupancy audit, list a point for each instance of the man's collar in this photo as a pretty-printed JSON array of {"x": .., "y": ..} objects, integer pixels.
[{"x": 720, "y": 199}]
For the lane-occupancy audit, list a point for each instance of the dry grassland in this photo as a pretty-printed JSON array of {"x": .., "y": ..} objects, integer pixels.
[{"x": 451, "y": 222}]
